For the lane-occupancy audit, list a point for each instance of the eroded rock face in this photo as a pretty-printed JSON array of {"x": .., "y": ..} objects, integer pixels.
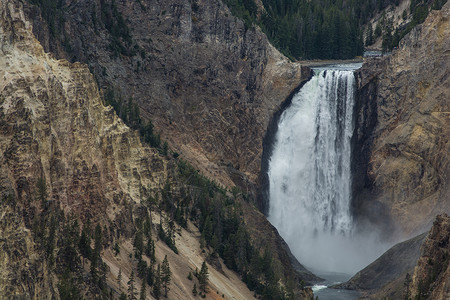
[
  {"x": 209, "y": 84},
  {"x": 431, "y": 276},
  {"x": 402, "y": 137},
  {"x": 54, "y": 126}
]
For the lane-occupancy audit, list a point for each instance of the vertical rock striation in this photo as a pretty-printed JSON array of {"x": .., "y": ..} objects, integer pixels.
[
  {"x": 401, "y": 142},
  {"x": 209, "y": 84},
  {"x": 431, "y": 277}
]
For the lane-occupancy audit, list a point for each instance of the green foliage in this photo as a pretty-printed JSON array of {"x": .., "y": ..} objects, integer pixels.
[
  {"x": 116, "y": 249},
  {"x": 166, "y": 275},
  {"x": 68, "y": 244},
  {"x": 138, "y": 245},
  {"x": 41, "y": 188},
  {"x": 194, "y": 290},
  {"x": 246, "y": 10},
  {"x": 151, "y": 274},
  {"x": 96, "y": 261},
  {"x": 311, "y": 29},
  {"x": 67, "y": 287},
  {"x": 143, "y": 291},
  {"x": 131, "y": 287},
  {"x": 419, "y": 10},
  {"x": 167, "y": 237},
  {"x": 52, "y": 13},
  {"x": 203, "y": 277},
  {"x": 84, "y": 244},
  {"x": 129, "y": 112},
  {"x": 58, "y": 238},
  {"x": 157, "y": 283},
  {"x": 142, "y": 269},
  {"x": 369, "y": 35},
  {"x": 219, "y": 219},
  {"x": 120, "y": 35}
]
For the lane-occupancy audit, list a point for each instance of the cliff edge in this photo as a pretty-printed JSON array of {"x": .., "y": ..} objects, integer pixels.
[{"x": 401, "y": 154}]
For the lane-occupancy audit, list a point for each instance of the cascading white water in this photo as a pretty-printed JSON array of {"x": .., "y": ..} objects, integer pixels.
[{"x": 310, "y": 176}]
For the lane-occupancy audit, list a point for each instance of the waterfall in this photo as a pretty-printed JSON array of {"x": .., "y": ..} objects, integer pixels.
[{"x": 310, "y": 176}]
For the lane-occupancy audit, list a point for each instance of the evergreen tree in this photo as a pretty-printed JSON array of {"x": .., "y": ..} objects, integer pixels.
[
  {"x": 41, "y": 187},
  {"x": 142, "y": 268},
  {"x": 123, "y": 296},
  {"x": 203, "y": 277},
  {"x": 96, "y": 261},
  {"x": 143, "y": 291},
  {"x": 369, "y": 35},
  {"x": 194, "y": 290},
  {"x": 151, "y": 273},
  {"x": 67, "y": 287},
  {"x": 131, "y": 287},
  {"x": 138, "y": 245},
  {"x": 165, "y": 275},
  {"x": 150, "y": 249},
  {"x": 116, "y": 249},
  {"x": 157, "y": 283},
  {"x": 84, "y": 244}
]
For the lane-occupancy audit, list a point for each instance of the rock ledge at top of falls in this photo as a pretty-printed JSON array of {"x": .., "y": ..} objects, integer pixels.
[
  {"x": 209, "y": 84},
  {"x": 402, "y": 139}
]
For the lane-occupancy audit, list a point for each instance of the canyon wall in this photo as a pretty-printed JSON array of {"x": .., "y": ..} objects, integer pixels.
[
  {"x": 62, "y": 149},
  {"x": 401, "y": 142},
  {"x": 208, "y": 83}
]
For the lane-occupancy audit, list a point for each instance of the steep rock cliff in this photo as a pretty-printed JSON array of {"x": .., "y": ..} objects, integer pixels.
[
  {"x": 402, "y": 147},
  {"x": 209, "y": 84},
  {"x": 431, "y": 277},
  {"x": 55, "y": 130}
]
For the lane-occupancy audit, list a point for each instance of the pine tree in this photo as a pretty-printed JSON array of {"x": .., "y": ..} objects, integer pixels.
[
  {"x": 123, "y": 296},
  {"x": 150, "y": 250},
  {"x": 194, "y": 290},
  {"x": 138, "y": 245},
  {"x": 203, "y": 277},
  {"x": 143, "y": 291},
  {"x": 151, "y": 274},
  {"x": 131, "y": 287},
  {"x": 96, "y": 261},
  {"x": 157, "y": 283},
  {"x": 165, "y": 275},
  {"x": 85, "y": 240},
  {"x": 41, "y": 190}
]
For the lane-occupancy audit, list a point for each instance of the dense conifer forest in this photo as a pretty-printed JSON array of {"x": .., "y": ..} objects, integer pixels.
[{"x": 325, "y": 29}]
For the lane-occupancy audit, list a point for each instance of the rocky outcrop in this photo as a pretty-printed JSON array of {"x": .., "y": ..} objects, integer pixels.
[
  {"x": 394, "y": 263},
  {"x": 209, "y": 84},
  {"x": 54, "y": 126},
  {"x": 401, "y": 141},
  {"x": 431, "y": 276}
]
